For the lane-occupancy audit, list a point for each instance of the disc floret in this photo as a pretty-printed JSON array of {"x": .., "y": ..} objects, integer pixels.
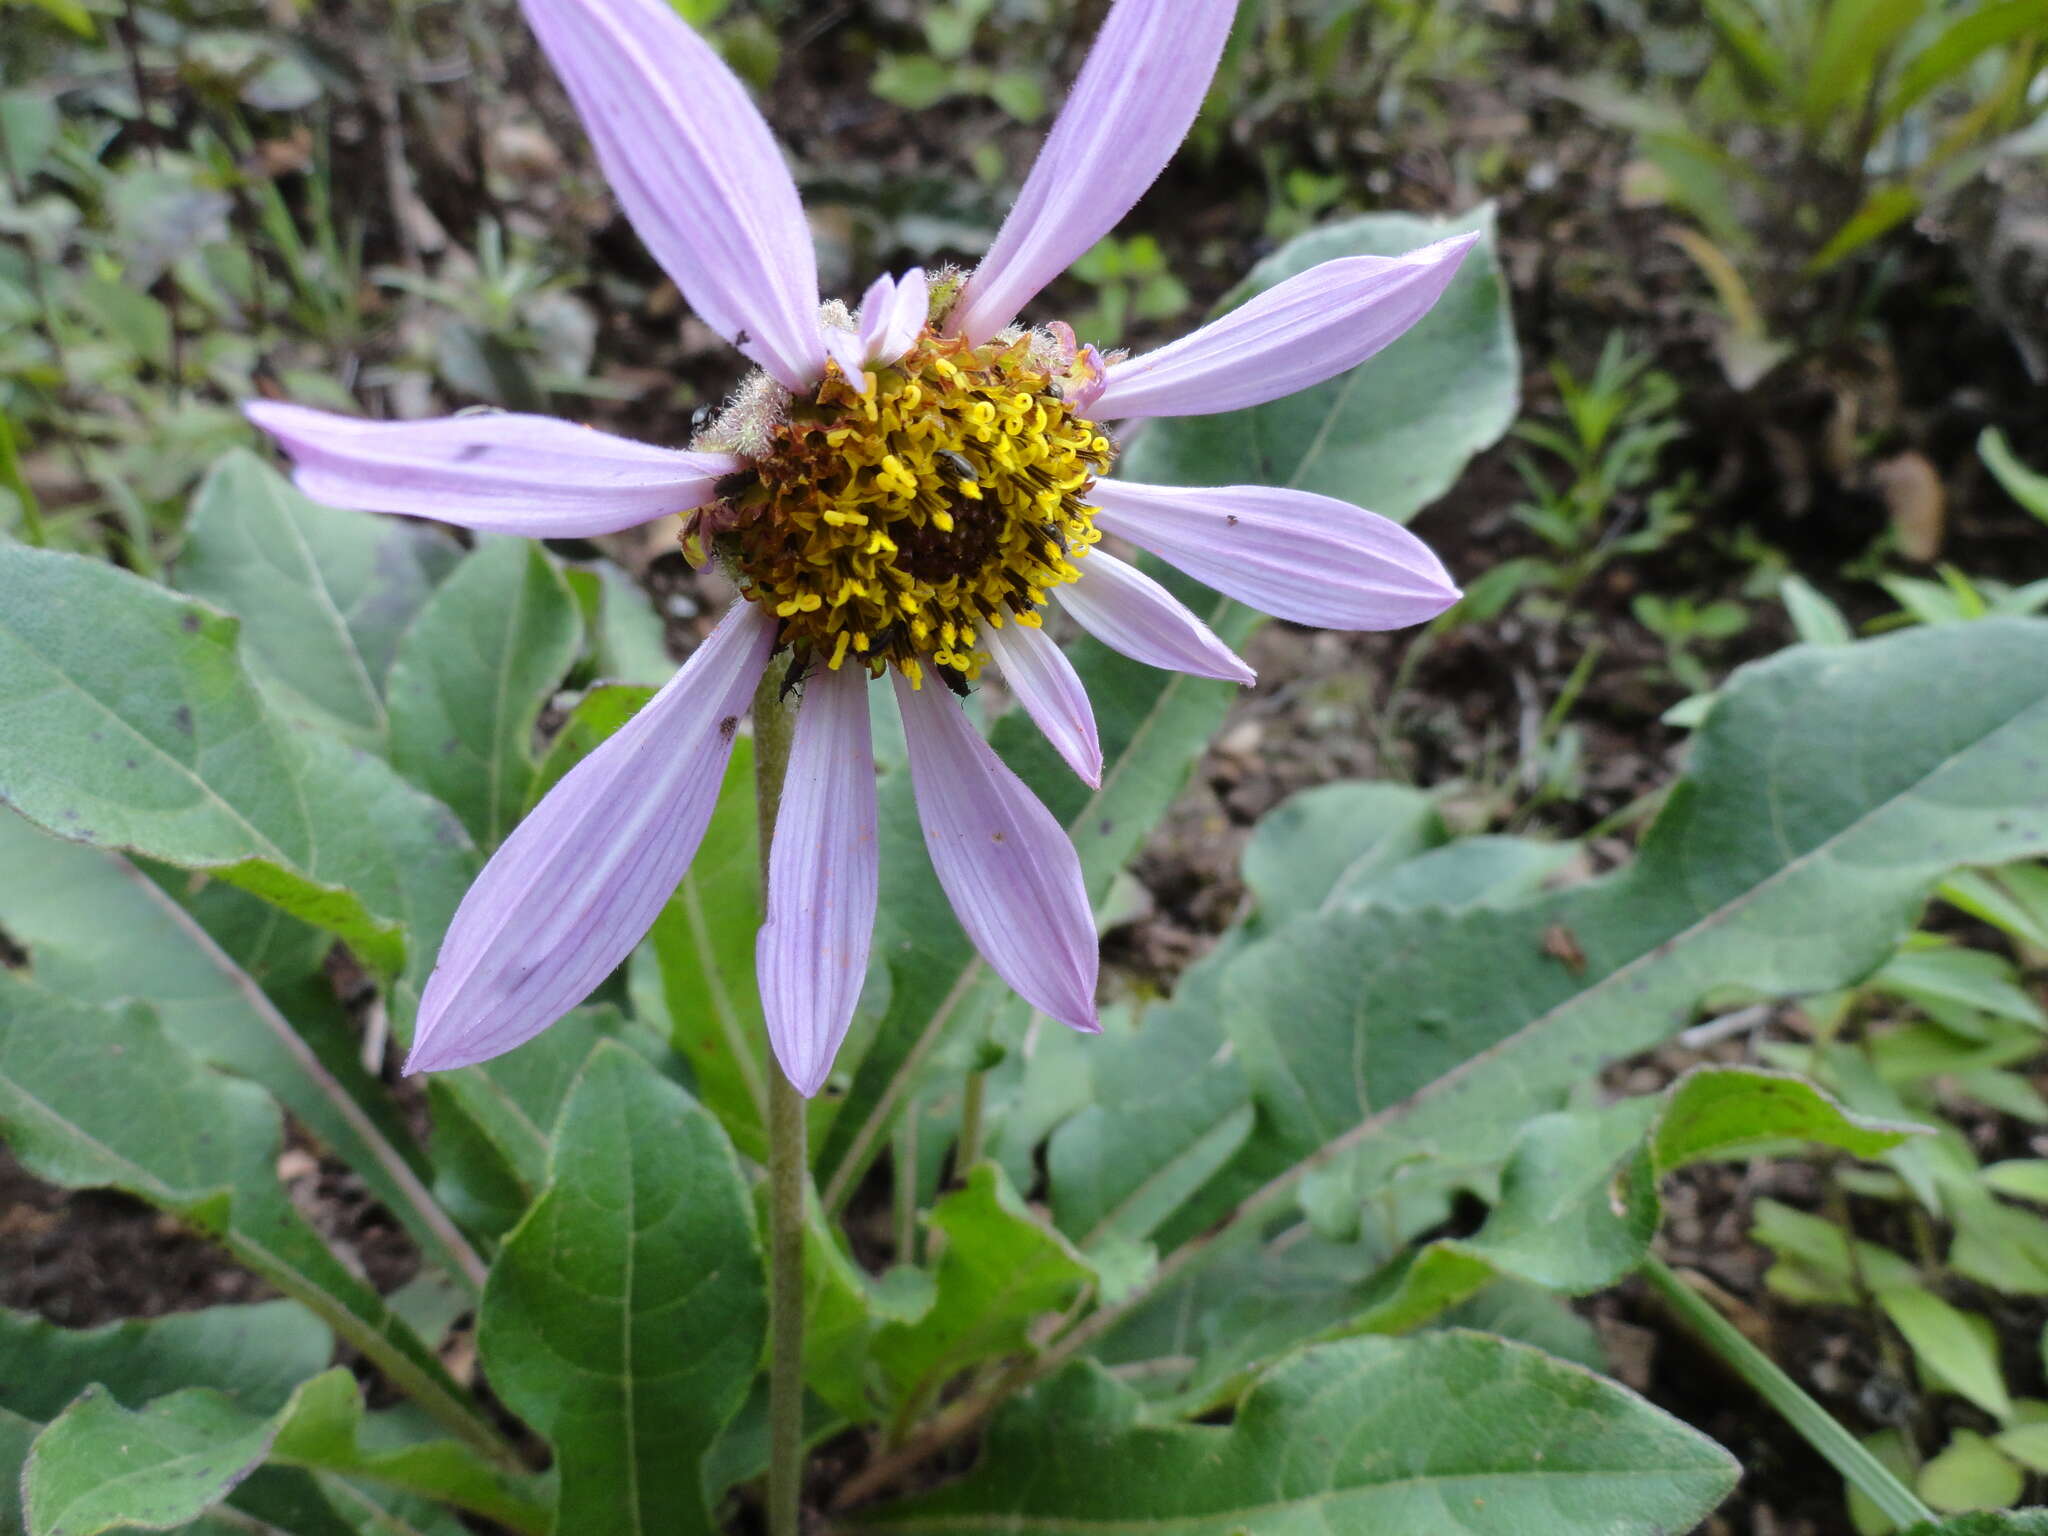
[{"x": 895, "y": 517}]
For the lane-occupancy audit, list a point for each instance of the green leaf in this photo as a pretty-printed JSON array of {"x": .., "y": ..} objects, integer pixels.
[
  {"x": 133, "y": 725},
  {"x": 1325, "y": 840},
  {"x": 2014, "y": 899},
  {"x": 1967, "y": 36},
  {"x": 1970, "y": 1473},
  {"x": 1471, "y": 872},
  {"x": 1388, "y": 1046},
  {"x": 1454, "y": 1429},
  {"x": 1884, "y": 210},
  {"x": 626, "y": 1314},
  {"x": 492, "y": 1121},
  {"x": 203, "y": 1147},
  {"x": 1724, "y": 1113},
  {"x": 323, "y": 594},
  {"x": 1854, "y": 36},
  {"x": 1000, "y": 1271},
  {"x": 694, "y": 977},
  {"x": 1391, "y": 434},
  {"x": 2024, "y": 1178},
  {"x": 628, "y": 636},
  {"x": 2024, "y": 485},
  {"x": 100, "y": 1467},
  {"x": 470, "y": 678},
  {"x": 2014, "y": 1522},
  {"x": 97, "y": 931},
  {"x": 1818, "y": 621},
  {"x": 1945, "y": 1340},
  {"x": 325, "y": 1429},
  {"x": 256, "y": 1355},
  {"x": 1932, "y": 975}
]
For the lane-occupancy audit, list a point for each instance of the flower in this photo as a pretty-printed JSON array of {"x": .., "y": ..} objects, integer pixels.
[{"x": 898, "y": 495}]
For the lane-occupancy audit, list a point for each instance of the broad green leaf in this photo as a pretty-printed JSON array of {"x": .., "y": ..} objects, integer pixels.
[
  {"x": 492, "y": 1121},
  {"x": 1166, "y": 1110},
  {"x": 1578, "y": 1203},
  {"x": 17, "y": 1434},
  {"x": 132, "y": 725},
  {"x": 694, "y": 977},
  {"x": 1323, "y": 840},
  {"x": 324, "y": 1429},
  {"x": 470, "y": 677},
  {"x": 625, "y": 1316},
  {"x": 1725, "y": 1113},
  {"x": 1393, "y": 433},
  {"x": 1970, "y": 1473},
  {"x": 256, "y": 1355},
  {"x": 100, "y": 1467},
  {"x": 1946, "y": 1341},
  {"x": 1388, "y": 1045},
  {"x": 592, "y": 722},
  {"x": 1455, "y": 1430},
  {"x": 1471, "y": 872},
  {"x": 1000, "y": 1271},
  {"x": 199, "y": 1145},
  {"x": 97, "y": 931},
  {"x": 629, "y": 636},
  {"x": 323, "y": 594}
]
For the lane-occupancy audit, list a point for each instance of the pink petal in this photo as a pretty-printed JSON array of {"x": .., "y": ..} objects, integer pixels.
[
  {"x": 696, "y": 170},
  {"x": 890, "y": 323},
  {"x": 1007, "y": 867},
  {"x": 1130, "y": 612},
  {"x": 1298, "y": 556},
  {"x": 1135, "y": 101},
  {"x": 1305, "y": 330},
  {"x": 812, "y": 952},
  {"x": 494, "y": 471},
  {"x": 571, "y": 891},
  {"x": 1050, "y": 690}
]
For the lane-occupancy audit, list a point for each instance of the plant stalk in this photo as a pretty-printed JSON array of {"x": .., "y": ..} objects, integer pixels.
[
  {"x": 788, "y": 1168},
  {"x": 1819, "y": 1428}
]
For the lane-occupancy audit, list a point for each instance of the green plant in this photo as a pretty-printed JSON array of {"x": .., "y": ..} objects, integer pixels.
[
  {"x": 1682, "y": 623},
  {"x": 1616, "y": 426},
  {"x": 1814, "y": 128},
  {"x": 1132, "y": 286},
  {"x": 919, "y": 80},
  {"x": 1943, "y": 1031}
]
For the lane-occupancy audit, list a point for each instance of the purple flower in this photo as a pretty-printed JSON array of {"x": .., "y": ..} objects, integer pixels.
[{"x": 898, "y": 493}]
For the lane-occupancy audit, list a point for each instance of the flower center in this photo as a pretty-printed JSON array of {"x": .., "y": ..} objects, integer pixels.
[{"x": 893, "y": 525}]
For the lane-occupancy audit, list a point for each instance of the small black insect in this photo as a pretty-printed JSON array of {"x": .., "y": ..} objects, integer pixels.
[
  {"x": 962, "y": 466},
  {"x": 700, "y": 418},
  {"x": 1054, "y": 391},
  {"x": 728, "y": 727},
  {"x": 956, "y": 681},
  {"x": 736, "y": 485},
  {"x": 742, "y": 338},
  {"x": 1058, "y": 535},
  {"x": 1230, "y": 518},
  {"x": 793, "y": 678},
  {"x": 472, "y": 452}
]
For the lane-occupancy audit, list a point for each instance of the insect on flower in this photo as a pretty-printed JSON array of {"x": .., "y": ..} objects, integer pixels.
[{"x": 900, "y": 492}]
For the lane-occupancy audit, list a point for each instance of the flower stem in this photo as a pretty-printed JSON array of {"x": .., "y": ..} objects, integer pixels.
[
  {"x": 788, "y": 1159},
  {"x": 1815, "y": 1424}
]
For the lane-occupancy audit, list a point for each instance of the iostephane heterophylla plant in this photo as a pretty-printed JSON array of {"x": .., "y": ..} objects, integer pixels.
[{"x": 898, "y": 493}]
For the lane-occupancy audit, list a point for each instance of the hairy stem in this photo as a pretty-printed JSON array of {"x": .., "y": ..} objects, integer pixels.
[{"x": 774, "y": 725}]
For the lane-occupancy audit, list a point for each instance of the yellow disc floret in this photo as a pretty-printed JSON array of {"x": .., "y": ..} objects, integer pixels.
[{"x": 897, "y": 516}]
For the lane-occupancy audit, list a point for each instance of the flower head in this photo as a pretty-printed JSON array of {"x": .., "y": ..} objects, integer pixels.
[{"x": 901, "y": 494}]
